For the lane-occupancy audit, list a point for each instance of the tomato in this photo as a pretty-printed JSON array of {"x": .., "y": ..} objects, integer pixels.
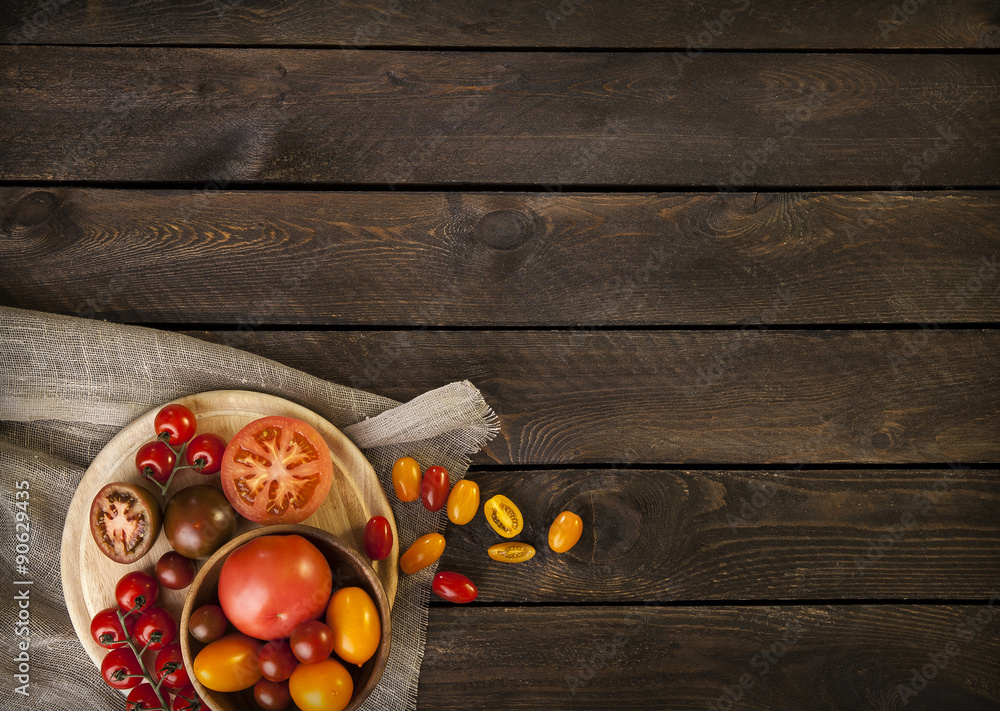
[
  {"x": 504, "y": 517},
  {"x": 143, "y": 697},
  {"x": 121, "y": 669},
  {"x": 198, "y": 521},
  {"x": 155, "y": 629},
  {"x": 207, "y": 623},
  {"x": 228, "y": 664},
  {"x": 169, "y": 668},
  {"x": 311, "y": 642},
  {"x": 565, "y": 531},
  {"x": 326, "y": 686},
  {"x": 124, "y": 521},
  {"x": 353, "y": 617},
  {"x": 454, "y": 587},
  {"x": 272, "y": 695},
  {"x": 424, "y": 551},
  {"x": 106, "y": 628},
  {"x": 463, "y": 501},
  {"x": 378, "y": 538},
  {"x": 272, "y": 584},
  {"x": 276, "y": 660},
  {"x": 176, "y": 421},
  {"x": 434, "y": 488},
  {"x": 187, "y": 700},
  {"x": 205, "y": 452},
  {"x": 136, "y": 590},
  {"x": 406, "y": 479},
  {"x": 277, "y": 470},
  {"x": 156, "y": 461},
  {"x": 511, "y": 552},
  {"x": 174, "y": 571}
]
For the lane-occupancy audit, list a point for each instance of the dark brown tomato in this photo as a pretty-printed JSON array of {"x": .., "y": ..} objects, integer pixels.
[
  {"x": 198, "y": 520},
  {"x": 125, "y": 520}
]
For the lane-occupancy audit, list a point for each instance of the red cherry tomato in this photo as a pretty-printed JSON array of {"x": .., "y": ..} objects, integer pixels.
[
  {"x": 434, "y": 488},
  {"x": 272, "y": 695},
  {"x": 121, "y": 669},
  {"x": 311, "y": 642},
  {"x": 454, "y": 587},
  {"x": 208, "y": 623},
  {"x": 169, "y": 667},
  {"x": 137, "y": 590},
  {"x": 276, "y": 660},
  {"x": 142, "y": 697},
  {"x": 155, "y": 629},
  {"x": 155, "y": 460},
  {"x": 106, "y": 628},
  {"x": 174, "y": 571},
  {"x": 187, "y": 699},
  {"x": 177, "y": 421},
  {"x": 206, "y": 451},
  {"x": 378, "y": 538}
]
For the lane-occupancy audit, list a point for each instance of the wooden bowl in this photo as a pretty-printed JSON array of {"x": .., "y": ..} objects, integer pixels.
[{"x": 349, "y": 567}]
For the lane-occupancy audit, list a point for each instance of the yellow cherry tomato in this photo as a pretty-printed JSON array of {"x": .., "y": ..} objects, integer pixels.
[
  {"x": 229, "y": 663},
  {"x": 504, "y": 516},
  {"x": 353, "y": 617},
  {"x": 463, "y": 501},
  {"x": 424, "y": 551},
  {"x": 565, "y": 531},
  {"x": 406, "y": 479},
  {"x": 511, "y": 552},
  {"x": 324, "y": 686}
]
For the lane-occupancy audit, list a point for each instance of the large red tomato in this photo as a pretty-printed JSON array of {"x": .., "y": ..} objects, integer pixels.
[
  {"x": 270, "y": 585},
  {"x": 277, "y": 470}
]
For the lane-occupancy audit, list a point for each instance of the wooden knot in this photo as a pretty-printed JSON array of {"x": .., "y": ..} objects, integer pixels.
[
  {"x": 504, "y": 229},
  {"x": 881, "y": 441},
  {"x": 617, "y": 526},
  {"x": 34, "y": 208}
]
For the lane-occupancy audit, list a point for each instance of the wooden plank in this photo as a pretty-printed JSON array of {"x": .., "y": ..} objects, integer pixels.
[
  {"x": 687, "y": 396},
  {"x": 726, "y": 535},
  {"x": 788, "y": 659},
  {"x": 498, "y": 118},
  {"x": 499, "y": 259},
  {"x": 651, "y": 24}
]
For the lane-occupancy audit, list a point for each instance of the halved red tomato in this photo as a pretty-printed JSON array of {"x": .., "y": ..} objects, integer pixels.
[{"x": 277, "y": 470}]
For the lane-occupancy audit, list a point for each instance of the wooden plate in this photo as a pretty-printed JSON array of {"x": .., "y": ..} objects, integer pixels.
[{"x": 89, "y": 577}]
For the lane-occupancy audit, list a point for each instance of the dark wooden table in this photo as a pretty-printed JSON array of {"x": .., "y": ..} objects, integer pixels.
[{"x": 728, "y": 272}]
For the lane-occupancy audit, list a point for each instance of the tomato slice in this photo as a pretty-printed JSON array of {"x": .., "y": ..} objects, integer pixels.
[
  {"x": 277, "y": 470},
  {"x": 511, "y": 552},
  {"x": 503, "y": 516}
]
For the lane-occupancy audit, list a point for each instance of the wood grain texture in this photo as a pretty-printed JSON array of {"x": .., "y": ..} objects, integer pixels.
[
  {"x": 498, "y": 118},
  {"x": 500, "y": 259},
  {"x": 838, "y": 24},
  {"x": 725, "y": 535},
  {"x": 750, "y": 396},
  {"x": 793, "y": 658}
]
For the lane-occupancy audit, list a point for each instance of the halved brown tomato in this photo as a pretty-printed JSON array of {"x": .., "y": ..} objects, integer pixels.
[
  {"x": 125, "y": 521},
  {"x": 277, "y": 470}
]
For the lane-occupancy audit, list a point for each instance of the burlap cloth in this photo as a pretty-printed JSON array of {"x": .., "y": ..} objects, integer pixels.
[{"x": 67, "y": 385}]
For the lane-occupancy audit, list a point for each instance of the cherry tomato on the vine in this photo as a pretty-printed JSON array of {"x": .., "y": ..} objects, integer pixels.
[
  {"x": 378, "y": 538},
  {"x": 142, "y": 697},
  {"x": 406, "y": 479},
  {"x": 434, "y": 488},
  {"x": 121, "y": 669},
  {"x": 155, "y": 629},
  {"x": 177, "y": 421},
  {"x": 208, "y": 623},
  {"x": 326, "y": 686},
  {"x": 565, "y": 531},
  {"x": 169, "y": 666},
  {"x": 276, "y": 660},
  {"x": 423, "y": 552},
  {"x": 272, "y": 695},
  {"x": 106, "y": 628},
  {"x": 174, "y": 571},
  {"x": 136, "y": 590},
  {"x": 463, "y": 502},
  {"x": 311, "y": 642},
  {"x": 503, "y": 516},
  {"x": 206, "y": 451},
  {"x": 511, "y": 552},
  {"x": 454, "y": 587},
  {"x": 156, "y": 461},
  {"x": 187, "y": 699}
]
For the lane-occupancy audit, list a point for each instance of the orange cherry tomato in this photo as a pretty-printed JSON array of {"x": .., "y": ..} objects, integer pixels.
[
  {"x": 424, "y": 551},
  {"x": 504, "y": 516},
  {"x": 406, "y": 479},
  {"x": 353, "y": 617},
  {"x": 229, "y": 663},
  {"x": 463, "y": 501},
  {"x": 565, "y": 531},
  {"x": 511, "y": 552},
  {"x": 324, "y": 686}
]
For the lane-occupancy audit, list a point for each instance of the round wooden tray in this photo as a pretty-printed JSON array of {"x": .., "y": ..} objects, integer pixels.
[{"x": 89, "y": 577}]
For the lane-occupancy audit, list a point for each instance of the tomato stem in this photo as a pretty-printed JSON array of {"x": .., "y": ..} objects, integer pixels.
[{"x": 138, "y": 655}]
